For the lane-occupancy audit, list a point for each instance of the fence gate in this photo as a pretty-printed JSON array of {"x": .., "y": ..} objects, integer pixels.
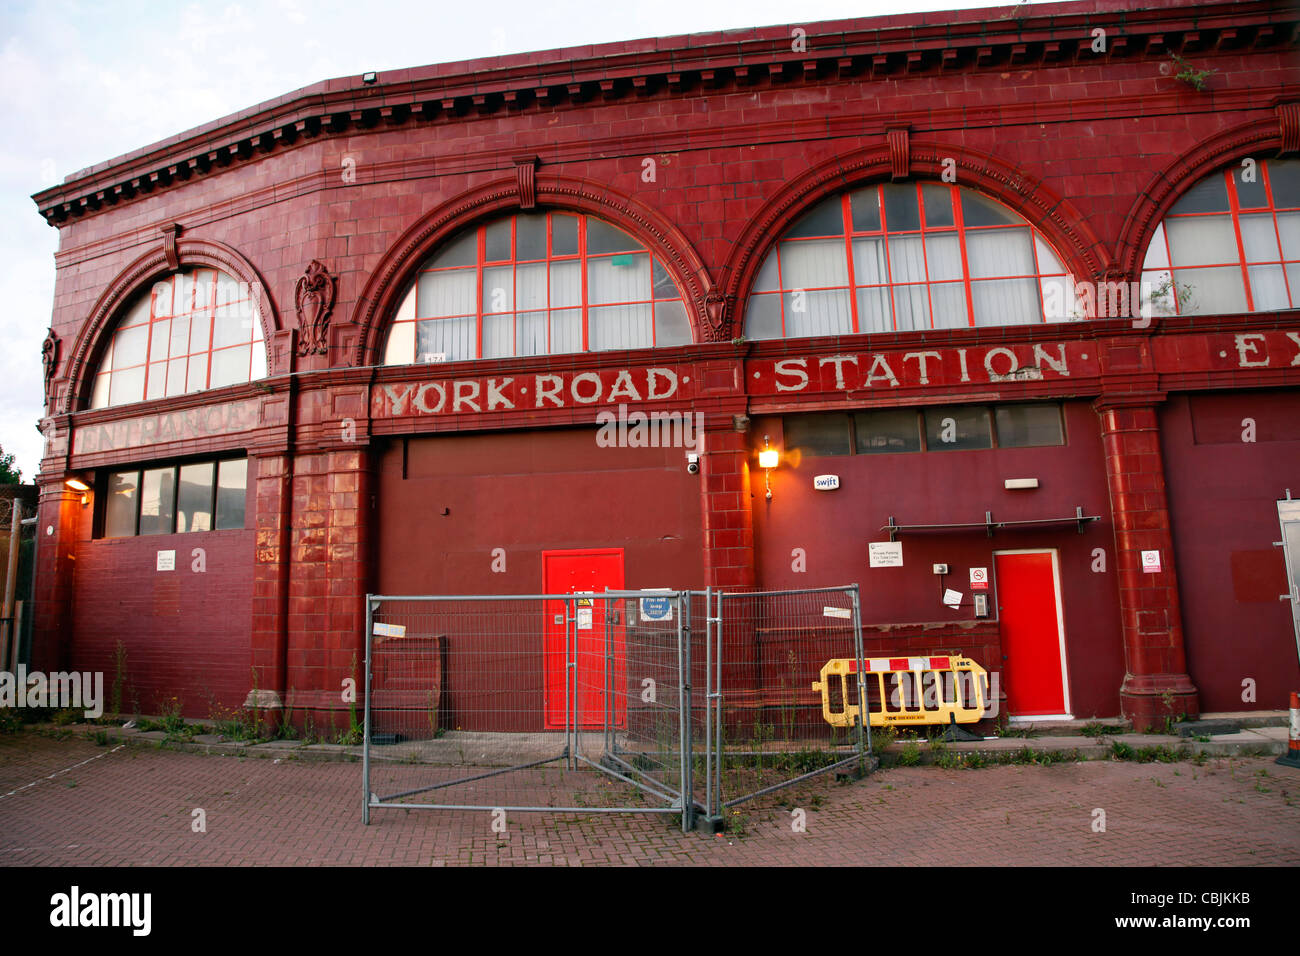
[
  {"x": 685, "y": 703},
  {"x": 562, "y": 703},
  {"x": 766, "y": 727}
]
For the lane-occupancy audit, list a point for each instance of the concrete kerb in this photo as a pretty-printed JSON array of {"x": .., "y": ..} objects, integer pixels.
[{"x": 1247, "y": 741}]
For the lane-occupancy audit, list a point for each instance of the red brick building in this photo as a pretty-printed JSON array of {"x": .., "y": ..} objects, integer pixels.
[{"x": 356, "y": 339}]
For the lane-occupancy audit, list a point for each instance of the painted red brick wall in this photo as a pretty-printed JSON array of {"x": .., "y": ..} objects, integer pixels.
[
  {"x": 946, "y": 487},
  {"x": 1223, "y": 495},
  {"x": 186, "y": 633}
]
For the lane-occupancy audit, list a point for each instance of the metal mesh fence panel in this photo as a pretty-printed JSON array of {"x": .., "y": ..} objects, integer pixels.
[
  {"x": 684, "y": 702},
  {"x": 767, "y": 728},
  {"x": 561, "y": 703}
]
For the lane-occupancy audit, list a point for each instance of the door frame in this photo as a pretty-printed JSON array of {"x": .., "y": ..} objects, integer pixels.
[
  {"x": 1068, "y": 713},
  {"x": 1288, "y": 512},
  {"x": 619, "y": 719}
]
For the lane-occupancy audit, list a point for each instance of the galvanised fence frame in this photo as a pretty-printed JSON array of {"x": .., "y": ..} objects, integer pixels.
[{"x": 590, "y": 703}]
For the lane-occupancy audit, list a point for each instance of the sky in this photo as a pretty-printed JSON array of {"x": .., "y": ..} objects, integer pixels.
[{"x": 81, "y": 83}]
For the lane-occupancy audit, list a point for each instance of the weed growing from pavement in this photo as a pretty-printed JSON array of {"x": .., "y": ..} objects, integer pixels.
[
  {"x": 1006, "y": 729},
  {"x": 1096, "y": 729},
  {"x": 1161, "y": 753}
]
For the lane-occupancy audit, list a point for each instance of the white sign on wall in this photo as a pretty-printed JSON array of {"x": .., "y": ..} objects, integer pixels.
[
  {"x": 826, "y": 482},
  {"x": 952, "y": 598},
  {"x": 979, "y": 579},
  {"x": 166, "y": 560},
  {"x": 1150, "y": 562},
  {"x": 656, "y": 608},
  {"x": 885, "y": 554}
]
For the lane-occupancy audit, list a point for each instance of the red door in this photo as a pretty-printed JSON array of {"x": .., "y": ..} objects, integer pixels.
[
  {"x": 1033, "y": 673},
  {"x": 576, "y": 572}
]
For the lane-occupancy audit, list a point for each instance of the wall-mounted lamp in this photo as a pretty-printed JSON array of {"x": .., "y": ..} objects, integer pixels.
[
  {"x": 768, "y": 459},
  {"x": 76, "y": 484}
]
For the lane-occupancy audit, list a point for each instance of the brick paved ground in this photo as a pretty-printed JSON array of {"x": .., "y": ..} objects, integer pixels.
[{"x": 71, "y": 802}]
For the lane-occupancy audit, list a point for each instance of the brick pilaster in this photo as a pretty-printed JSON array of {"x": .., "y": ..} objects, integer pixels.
[
  {"x": 727, "y": 509},
  {"x": 271, "y": 579},
  {"x": 59, "y": 511},
  {"x": 1156, "y": 683},
  {"x": 327, "y": 584}
]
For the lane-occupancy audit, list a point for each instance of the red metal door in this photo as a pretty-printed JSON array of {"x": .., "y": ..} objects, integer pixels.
[
  {"x": 1033, "y": 672},
  {"x": 575, "y": 572}
]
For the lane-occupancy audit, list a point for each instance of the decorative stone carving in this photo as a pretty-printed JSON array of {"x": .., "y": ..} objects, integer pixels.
[
  {"x": 900, "y": 153},
  {"x": 715, "y": 308},
  {"x": 170, "y": 233},
  {"x": 526, "y": 174},
  {"x": 50, "y": 360},
  {"x": 314, "y": 299}
]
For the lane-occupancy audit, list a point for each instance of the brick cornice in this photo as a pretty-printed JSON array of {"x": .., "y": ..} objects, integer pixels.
[{"x": 1048, "y": 36}]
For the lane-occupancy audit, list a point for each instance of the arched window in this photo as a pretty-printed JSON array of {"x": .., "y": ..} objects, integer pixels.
[
  {"x": 196, "y": 329},
  {"x": 1230, "y": 244},
  {"x": 903, "y": 257},
  {"x": 534, "y": 284}
]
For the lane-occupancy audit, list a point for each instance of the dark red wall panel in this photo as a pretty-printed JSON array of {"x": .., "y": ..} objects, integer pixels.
[
  {"x": 1223, "y": 496},
  {"x": 186, "y": 633},
  {"x": 943, "y": 487}
]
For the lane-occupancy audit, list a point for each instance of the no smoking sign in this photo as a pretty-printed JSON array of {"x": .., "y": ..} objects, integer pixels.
[{"x": 979, "y": 579}]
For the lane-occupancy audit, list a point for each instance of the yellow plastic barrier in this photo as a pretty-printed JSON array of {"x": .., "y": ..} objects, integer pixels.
[{"x": 940, "y": 690}]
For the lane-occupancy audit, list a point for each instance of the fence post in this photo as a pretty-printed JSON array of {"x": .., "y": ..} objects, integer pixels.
[
  {"x": 709, "y": 703},
  {"x": 11, "y": 582},
  {"x": 610, "y": 709},
  {"x": 365, "y": 723},
  {"x": 718, "y": 626},
  {"x": 864, "y": 716},
  {"x": 570, "y": 678},
  {"x": 687, "y": 751}
]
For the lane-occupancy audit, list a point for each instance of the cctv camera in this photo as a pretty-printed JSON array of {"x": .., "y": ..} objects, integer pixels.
[{"x": 693, "y": 464}]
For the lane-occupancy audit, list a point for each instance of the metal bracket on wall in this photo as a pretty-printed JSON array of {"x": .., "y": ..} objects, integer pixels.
[{"x": 1078, "y": 519}]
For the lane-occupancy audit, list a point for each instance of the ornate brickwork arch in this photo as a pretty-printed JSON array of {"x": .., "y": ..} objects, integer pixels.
[
  {"x": 1262, "y": 139},
  {"x": 164, "y": 259},
  {"x": 388, "y": 282},
  {"x": 1082, "y": 252}
]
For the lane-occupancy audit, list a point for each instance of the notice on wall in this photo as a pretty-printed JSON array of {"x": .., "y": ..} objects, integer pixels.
[
  {"x": 1150, "y": 562},
  {"x": 584, "y": 619},
  {"x": 389, "y": 630},
  {"x": 885, "y": 554},
  {"x": 952, "y": 598},
  {"x": 656, "y": 608},
  {"x": 166, "y": 560},
  {"x": 979, "y": 579}
]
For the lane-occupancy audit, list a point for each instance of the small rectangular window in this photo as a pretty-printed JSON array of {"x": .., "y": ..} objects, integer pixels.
[
  {"x": 530, "y": 236},
  {"x": 194, "y": 503},
  {"x": 817, "y": 435},
  {"x": 958, "y": 428},
  {"x": 888, "y": 431},
  {"x": 121, "y": 503},
  {"x": 232, "y": 485},
  {"x": 496, "y": 243},
  {"x": 564, "y": 235},
  {"x": 1025, "y": 426},
  {"x": 202, "y": 496},
  {"x": 158, "y": 501}
]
